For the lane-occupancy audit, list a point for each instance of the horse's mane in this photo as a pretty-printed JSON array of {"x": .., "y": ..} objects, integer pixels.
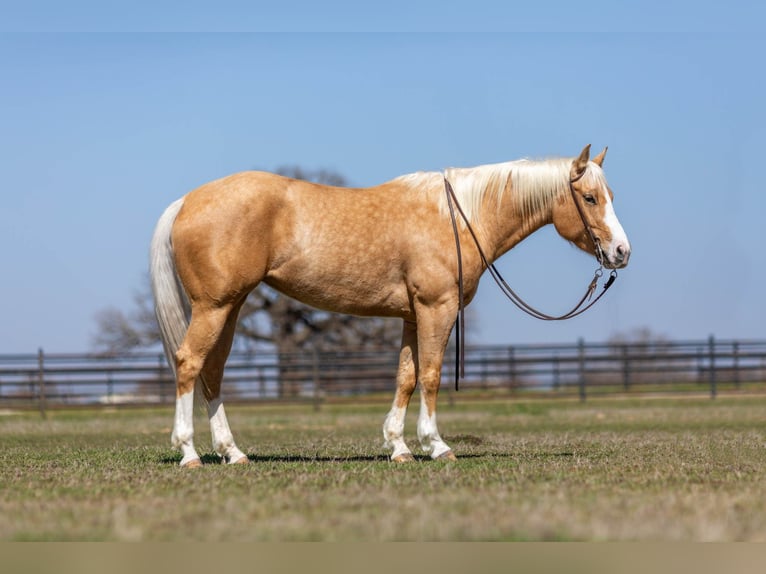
[{"x": 534, "y": 184}]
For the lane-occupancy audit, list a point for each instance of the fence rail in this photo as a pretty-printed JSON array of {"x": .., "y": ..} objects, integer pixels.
[{"x": 581, "y": 369}]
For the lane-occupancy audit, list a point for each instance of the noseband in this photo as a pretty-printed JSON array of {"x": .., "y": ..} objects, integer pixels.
[{"x": 452, "y": 203}]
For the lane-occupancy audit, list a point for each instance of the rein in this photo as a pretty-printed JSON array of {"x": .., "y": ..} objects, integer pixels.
[{"x": 452, "y": 203}]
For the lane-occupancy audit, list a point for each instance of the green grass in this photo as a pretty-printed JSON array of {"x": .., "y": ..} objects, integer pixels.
[{"x": 607, "y": 469}]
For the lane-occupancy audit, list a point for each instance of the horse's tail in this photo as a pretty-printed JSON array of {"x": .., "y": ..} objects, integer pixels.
[{"x": 170, "y": 303}]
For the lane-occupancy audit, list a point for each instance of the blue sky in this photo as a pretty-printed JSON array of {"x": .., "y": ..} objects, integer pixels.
[{"x": 99, "y": 131}]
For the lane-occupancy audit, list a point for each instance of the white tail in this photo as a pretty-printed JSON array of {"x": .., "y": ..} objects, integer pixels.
[{"x": 170, "y": 303}]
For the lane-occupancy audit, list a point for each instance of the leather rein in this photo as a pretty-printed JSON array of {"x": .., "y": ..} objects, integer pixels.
[{"x": 582, "y": 305}]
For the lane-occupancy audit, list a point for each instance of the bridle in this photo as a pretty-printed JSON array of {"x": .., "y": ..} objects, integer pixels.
[
  {"x": 588, "y": 229},
  {"x": 452, "y": 203}
]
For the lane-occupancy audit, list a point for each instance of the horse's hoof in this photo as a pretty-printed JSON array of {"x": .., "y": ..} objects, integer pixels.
[
  {"x": 404, "y": 457},
  {"x": 193, "y": 463},
  {"x": 448, "y": 455},
  {"x": 241, "y": 460}
]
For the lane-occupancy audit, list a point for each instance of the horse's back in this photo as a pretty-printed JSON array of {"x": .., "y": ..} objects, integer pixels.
[{"x": 341, "y": 249}]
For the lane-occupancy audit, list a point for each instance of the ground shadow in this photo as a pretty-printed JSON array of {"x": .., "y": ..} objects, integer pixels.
[{"x": 266, "y": 458}]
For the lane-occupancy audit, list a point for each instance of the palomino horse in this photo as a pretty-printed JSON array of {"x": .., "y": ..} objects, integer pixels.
[{"x": 385, "y": 251}]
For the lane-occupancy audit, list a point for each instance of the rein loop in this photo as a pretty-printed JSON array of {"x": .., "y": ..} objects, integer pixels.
[{"x": 453, "y": 204}]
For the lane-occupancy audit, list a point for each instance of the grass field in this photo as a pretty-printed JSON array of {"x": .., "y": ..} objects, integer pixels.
[{"x": 609, "y": 469}]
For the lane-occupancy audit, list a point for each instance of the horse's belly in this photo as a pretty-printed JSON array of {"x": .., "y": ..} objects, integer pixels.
[{"x": 345, "y": 293}]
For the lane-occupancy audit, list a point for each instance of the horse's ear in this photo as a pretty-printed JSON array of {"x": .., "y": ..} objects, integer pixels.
[
  {"x": 599, "y": 159},
  {"x": 579, "y": 165}
]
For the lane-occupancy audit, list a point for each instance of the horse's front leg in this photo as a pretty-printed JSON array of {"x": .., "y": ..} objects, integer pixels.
[
  {"x": 406, "y": 378},
  {"x": 434, "y": 326}
]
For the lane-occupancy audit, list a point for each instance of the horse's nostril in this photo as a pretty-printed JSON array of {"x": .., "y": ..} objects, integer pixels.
[{"x": 621, "y": 253}]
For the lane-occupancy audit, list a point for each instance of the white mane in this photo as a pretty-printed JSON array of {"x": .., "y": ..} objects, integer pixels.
[{"x": 534, "y": 184}]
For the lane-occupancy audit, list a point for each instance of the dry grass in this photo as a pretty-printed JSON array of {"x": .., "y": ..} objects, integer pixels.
[{"x": 664, "y": 469}]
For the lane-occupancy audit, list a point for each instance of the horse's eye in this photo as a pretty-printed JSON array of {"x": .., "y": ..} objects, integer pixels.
[{"x": 589, "y": 199}]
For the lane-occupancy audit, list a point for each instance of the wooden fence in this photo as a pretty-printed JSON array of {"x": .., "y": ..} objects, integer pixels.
[{"x": 711, "y": 366}]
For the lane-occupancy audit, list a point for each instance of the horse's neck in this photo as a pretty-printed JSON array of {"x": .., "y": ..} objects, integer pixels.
[{"x": 503, "y": 225}]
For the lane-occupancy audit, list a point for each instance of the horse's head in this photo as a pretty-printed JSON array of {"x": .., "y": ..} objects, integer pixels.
[{"x": 591, "y": 223}]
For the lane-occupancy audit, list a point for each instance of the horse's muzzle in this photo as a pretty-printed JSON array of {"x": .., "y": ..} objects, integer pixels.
[{"x": 618, "y": 256}]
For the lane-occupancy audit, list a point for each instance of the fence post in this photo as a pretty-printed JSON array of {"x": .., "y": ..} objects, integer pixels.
[
  {"x": 512, "y": 367},
  {"x": 315, "y": 376},
  {"x": 109, "y": 388},
  {"x": 625, "y": 367},
  {"x": 711, "y": 354},
  {"x": 581, "y": 353},
  {"x": 736, "y": 364},
  {"x": 41, "y": 382}
]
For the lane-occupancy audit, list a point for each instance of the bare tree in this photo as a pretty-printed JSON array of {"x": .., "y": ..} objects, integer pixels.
[{"x": 120, "y": 332}]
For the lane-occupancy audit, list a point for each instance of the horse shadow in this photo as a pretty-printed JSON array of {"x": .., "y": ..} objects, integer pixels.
[
  {"x": 467, "y": 440},
  {"x": 214, "y": 459}
]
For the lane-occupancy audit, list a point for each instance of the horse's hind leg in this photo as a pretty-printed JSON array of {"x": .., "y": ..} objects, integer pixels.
[
  {"x": 406, "y": 378},
  {"x": 205, "y": 329},
  {"x": 212, "y": 375}
]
